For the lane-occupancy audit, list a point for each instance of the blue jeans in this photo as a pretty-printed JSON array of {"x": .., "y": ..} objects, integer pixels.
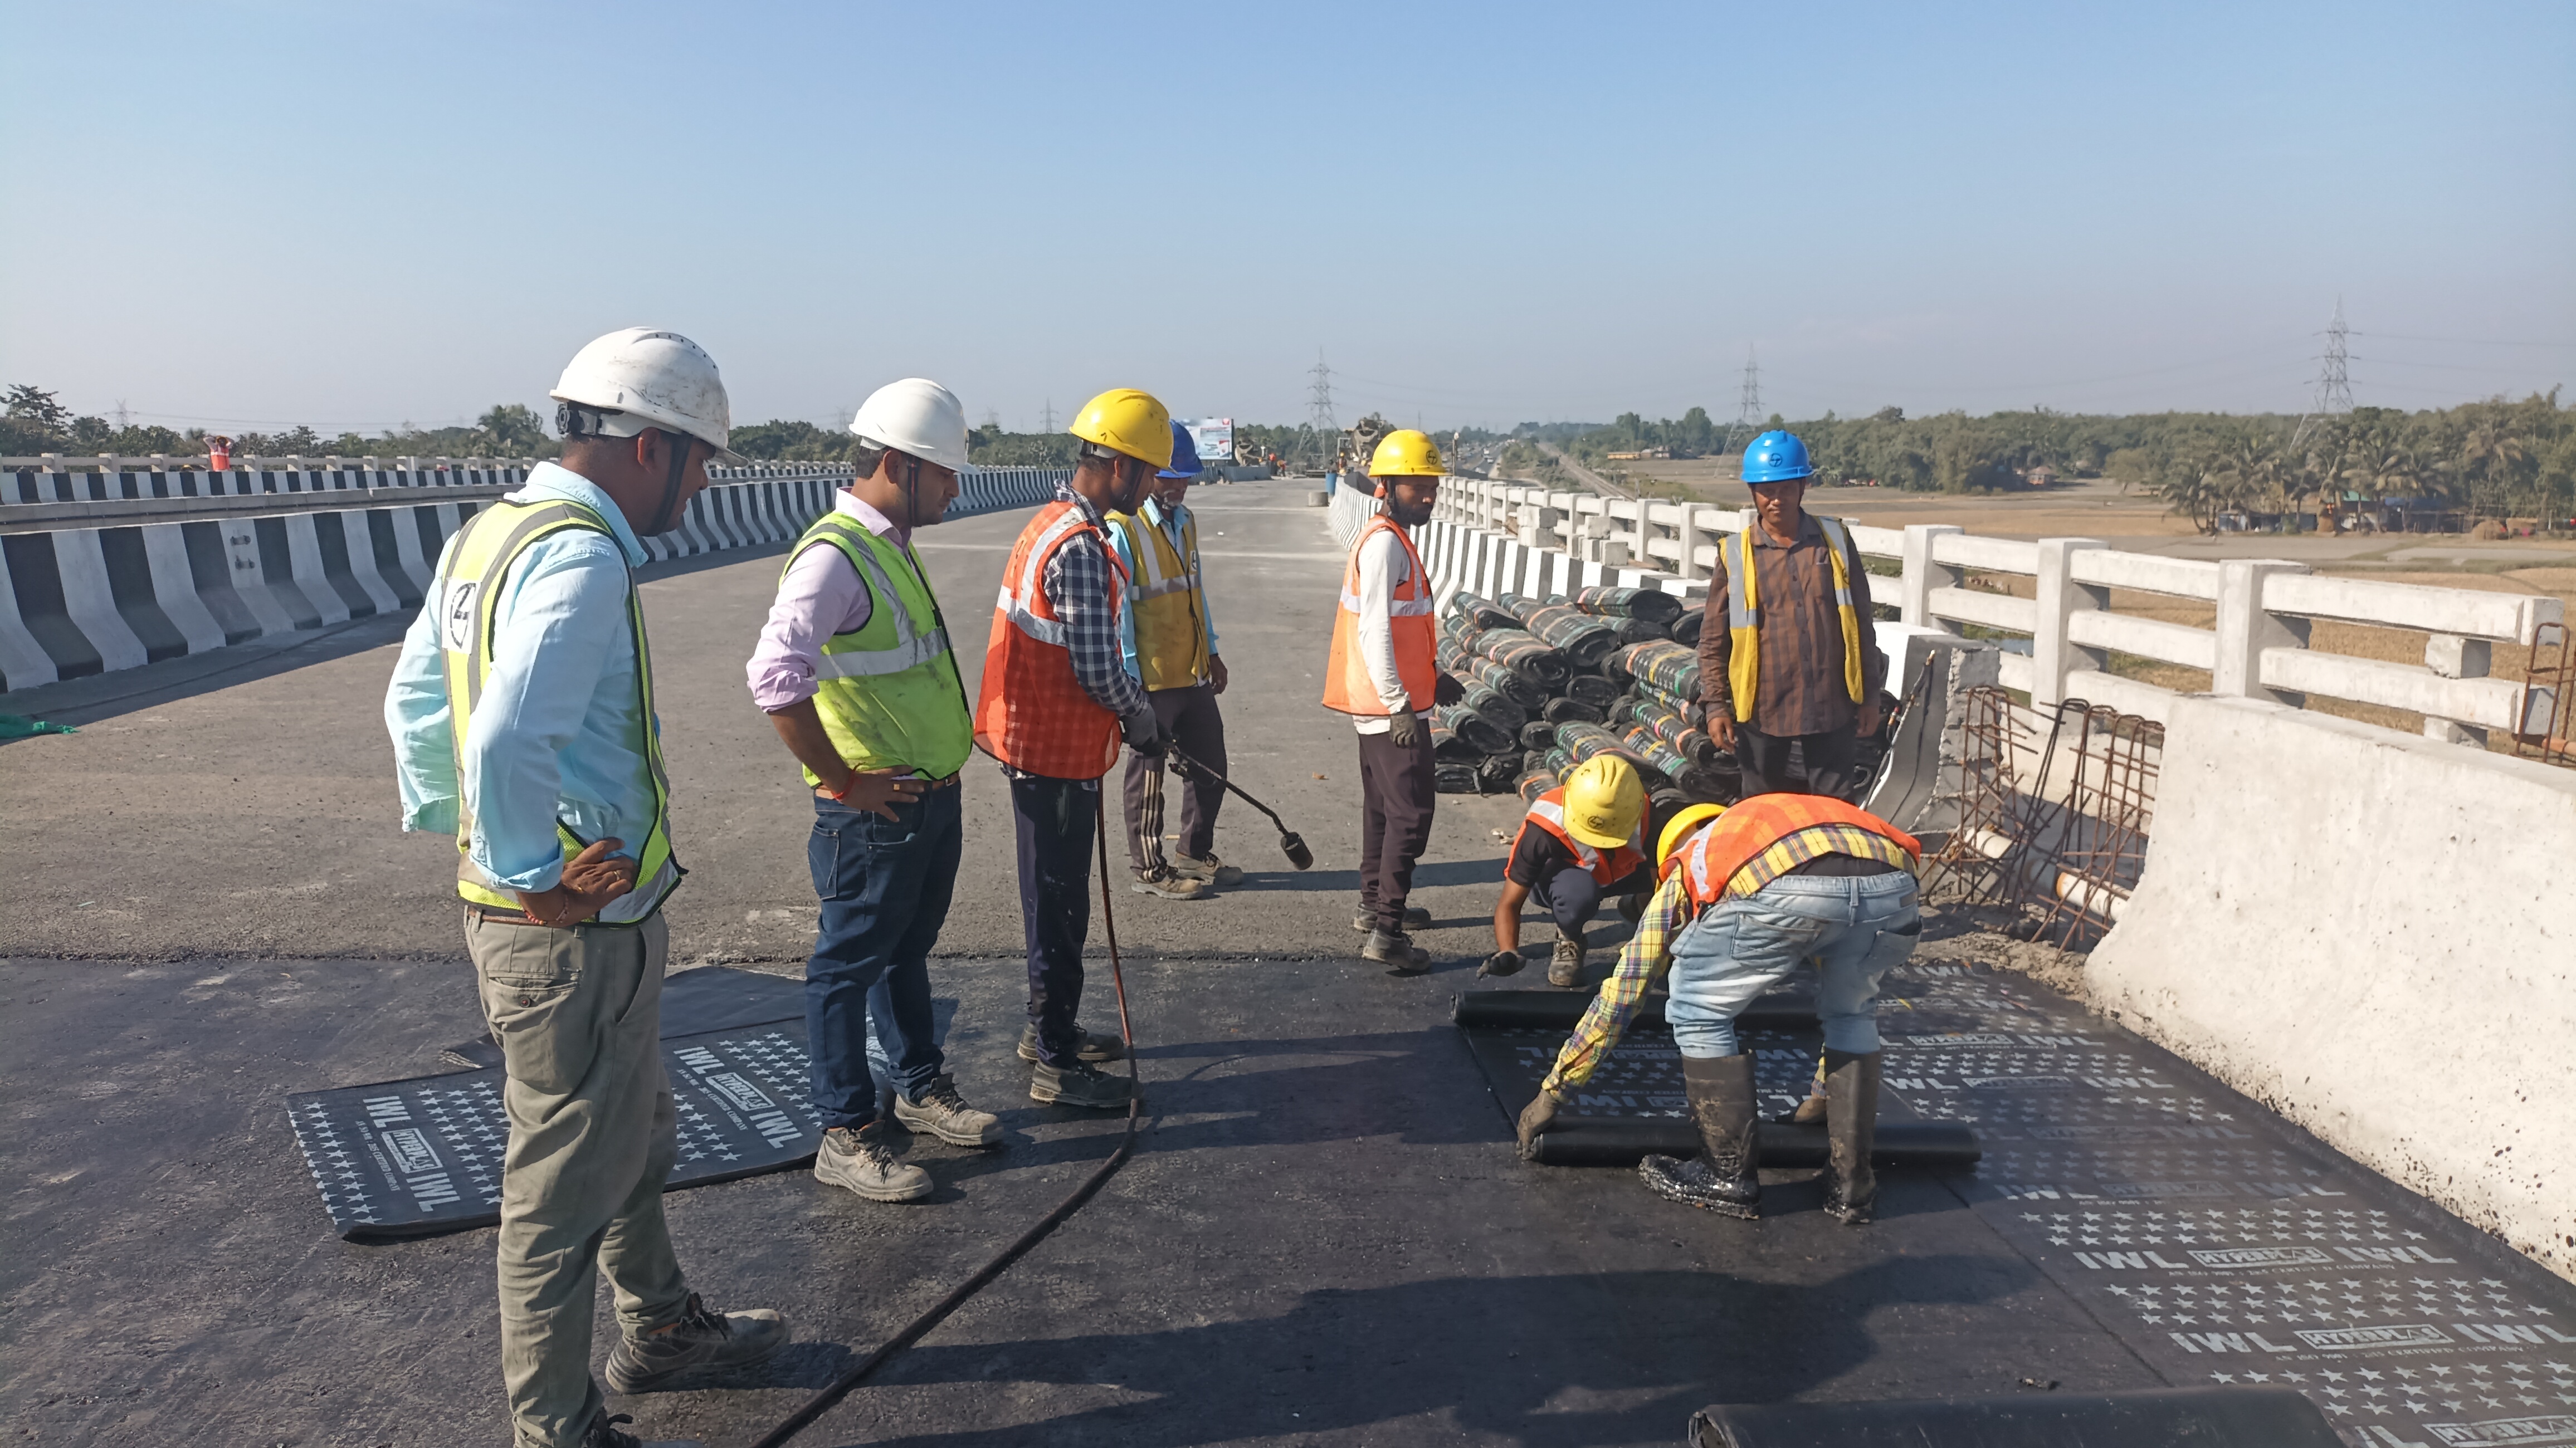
[
  {"x": 1855, "y": 927},
  {"x": 884, "y": 885}
]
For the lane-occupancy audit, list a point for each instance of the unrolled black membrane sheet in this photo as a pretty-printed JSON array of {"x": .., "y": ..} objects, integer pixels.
[{"x": 2230, "y": 1417}]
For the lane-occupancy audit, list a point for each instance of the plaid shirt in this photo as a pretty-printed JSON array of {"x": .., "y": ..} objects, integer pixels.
[
  {"x": 1801, "y": 689},
  {"x": 1077, "y": 587},
  {"x": 1649, "y": 953}
]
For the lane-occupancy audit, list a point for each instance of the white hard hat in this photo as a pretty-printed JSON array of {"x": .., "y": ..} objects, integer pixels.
[
  {"x": 639, "y": 378},
  {"x": 916, "y": 416}
]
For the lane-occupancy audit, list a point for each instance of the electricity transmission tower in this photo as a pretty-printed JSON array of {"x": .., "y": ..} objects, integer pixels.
[
  {"x": 1319, "y": 411},
  {"x": 1048, "y": 424},
  {"x": 1748, "y": 412},
  {"x": 2334, "y": 383}
]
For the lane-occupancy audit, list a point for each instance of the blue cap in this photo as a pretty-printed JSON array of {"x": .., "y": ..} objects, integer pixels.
[
  {"x": 1776, "y": 457},
  {"x": 1185, "y": 455}
]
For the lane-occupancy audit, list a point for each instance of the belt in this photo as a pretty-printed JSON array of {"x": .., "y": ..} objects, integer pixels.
[{"x": 1832, "y": 865}]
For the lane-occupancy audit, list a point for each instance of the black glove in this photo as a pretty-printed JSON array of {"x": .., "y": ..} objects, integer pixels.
[
  {"x": 1404, "y": 727},
  {"x": 1447, "y": 690},
  {"x": 1501, "y": 962},
  {"x": 1535, "y": 1118},
  {"x": 1145, "y": 735}
]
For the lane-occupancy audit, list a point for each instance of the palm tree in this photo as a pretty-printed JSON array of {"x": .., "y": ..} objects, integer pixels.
[{"x": 2488, "y": 456}]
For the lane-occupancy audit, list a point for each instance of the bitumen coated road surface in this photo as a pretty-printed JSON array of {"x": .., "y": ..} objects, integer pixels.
[{"x": 1325, "y": 1236}]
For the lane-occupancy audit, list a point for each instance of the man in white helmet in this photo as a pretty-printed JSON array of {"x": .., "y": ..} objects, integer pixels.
[
  {"x": 855, "y": 671},
  {"x": 521, "y": 711}
]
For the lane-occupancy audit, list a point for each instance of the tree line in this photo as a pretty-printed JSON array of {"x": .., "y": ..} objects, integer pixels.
[{"x": 34, "y": 421}]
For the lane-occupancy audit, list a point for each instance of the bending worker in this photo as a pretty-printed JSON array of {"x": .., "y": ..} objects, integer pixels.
[
  {"x": 1789, "y": 655},
  {"x": 1168, "y": 639},
  {"x": 521, "y": 710},
  {"x": 855, "y": 671},
  {"x": 1580, "y": 841},
  {"x": 1384, "y": 673},
  {"x": 1749, "y": 893},
  {"x": 1055, "y": 701}
]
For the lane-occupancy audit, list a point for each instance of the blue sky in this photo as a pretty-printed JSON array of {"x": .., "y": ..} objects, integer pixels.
[{"x": 359, "y": 215}]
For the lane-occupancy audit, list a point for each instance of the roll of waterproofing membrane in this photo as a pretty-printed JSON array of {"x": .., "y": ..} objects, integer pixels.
[
  {"x": 1572, "y": 711},
  {"x": 1672, "y": 669},
  {"x": 1494, "y": 707},
  {"x": 1499, "y": 773},
  {"x": 1503, "y": 681},
  {"x": 1685, "y": 629},
  {"x": 1538, "y": 735},
  {"x": 1455, "y": 779},
  {"x": 1523, "y": 653},
  {"x": 1481, "y": 612},
  {"x": 1649, "y": 605},
  {"x": 1642, "y": 631},
  {"x": 1558, "y": 1010},
  {"x": 1586, "y": 638},
  {"x": 1475, "y": 730},
  {"x": 1594, "y": 690},
  {"x": 1919, "y": 1145},
  {"x": 2235, "y": 1417},
  {"x": 1535, "y": 783}
]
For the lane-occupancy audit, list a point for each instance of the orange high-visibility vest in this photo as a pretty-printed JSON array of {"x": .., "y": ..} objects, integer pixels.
[
  {"x": 1732, "y": 840},
  {"x": 1609, "y": 867},
  {"x": 1348, "y": 686},
  {"x": 1031, "y": 713}
]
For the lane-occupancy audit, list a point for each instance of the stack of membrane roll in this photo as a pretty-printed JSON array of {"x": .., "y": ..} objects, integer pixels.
[{"x": 1552, "y": 682}]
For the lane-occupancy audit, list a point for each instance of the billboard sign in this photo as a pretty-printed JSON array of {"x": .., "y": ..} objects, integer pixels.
[{"x": 1214, "y": 438}]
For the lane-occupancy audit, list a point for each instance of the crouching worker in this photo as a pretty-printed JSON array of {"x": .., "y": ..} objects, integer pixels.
[
  {"x": 1748, "y": 893},
  {"x": 1581, "y": 841}
]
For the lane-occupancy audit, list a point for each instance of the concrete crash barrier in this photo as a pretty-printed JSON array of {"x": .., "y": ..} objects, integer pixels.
[
  {"x": 2153, "y": 1418},
  {"x": 83, "y": 592},
  {"x": 1558, "y": 1010},
  {"x": 2371, "y": 933},
  {"x": 1904, "y": 1145}
]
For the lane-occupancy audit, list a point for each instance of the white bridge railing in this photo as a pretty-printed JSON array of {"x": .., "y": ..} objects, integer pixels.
[{"x": 2259, "y": 646}]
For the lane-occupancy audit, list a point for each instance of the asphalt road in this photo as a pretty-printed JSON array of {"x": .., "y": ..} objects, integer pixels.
[{"x": 1325, "y": 1237}]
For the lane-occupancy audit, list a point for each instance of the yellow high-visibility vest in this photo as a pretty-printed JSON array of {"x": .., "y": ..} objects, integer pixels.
[
  {"x": 888, "y": 693},
  {"x": 1171, "y": 611},
  {"x": 469, "y": 589},
  {"x": 1744, "y": 614}
]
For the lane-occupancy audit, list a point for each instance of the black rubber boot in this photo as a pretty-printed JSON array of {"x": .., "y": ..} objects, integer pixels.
[
  {"x": 1851, "y": 1129},
  {"x": 1721, "y": 1178}
]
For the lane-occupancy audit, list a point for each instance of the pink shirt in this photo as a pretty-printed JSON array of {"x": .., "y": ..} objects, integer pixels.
[{"x": 821, "y": 595}]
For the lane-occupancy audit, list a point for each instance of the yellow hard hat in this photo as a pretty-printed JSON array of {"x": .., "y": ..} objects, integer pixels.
[
  {"x": 1406, "y": 453},
  {"x": 1679, "y": 829},
  {"x": 1604, "y": 799},
  {"x": 1130, "y": 421}
]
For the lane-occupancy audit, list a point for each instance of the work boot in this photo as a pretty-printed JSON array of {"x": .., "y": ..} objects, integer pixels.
[
  {"x": 604, "y": 1433},
  {"x": 1396, "y": 951},
  {"x": 1080, "y": 1084},
  {"x": 1415, "y": 918},
  {"x": 1209, "y": 868},
  {"x": 860, "y": 1161},
  {"x": 1088, "y": 1045},
  {"x": 1851, "y": 1129},
  {"x": 701, "y": 1341},
  {"x": 1565, "y": 966},
  {"x": 1172, "y": 885},
  {"x": 1721, "y": 1178},
  {"x": 944, "y": 1114}
]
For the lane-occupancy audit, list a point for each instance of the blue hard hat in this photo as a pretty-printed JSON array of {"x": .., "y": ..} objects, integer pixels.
[
  {"x": 1776, "y": 457},
  {"x": 1185, "y": 455}
]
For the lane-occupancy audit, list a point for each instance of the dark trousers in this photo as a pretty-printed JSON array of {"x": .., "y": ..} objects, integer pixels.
[
  {"x": 1396, "y": 797},
  {"x": 1572, "y": 896},
  {"x": 884, "y": 885},
  {"x": 1828, "y": 758},
  {"x": 1055, "y": 819},
  {"x": 1191, "y": 720}
]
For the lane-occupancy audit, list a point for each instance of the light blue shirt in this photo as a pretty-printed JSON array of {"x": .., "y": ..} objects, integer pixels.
[
  {"x": 558, "y": 732},
  {"x": 1172, "y": 521}
]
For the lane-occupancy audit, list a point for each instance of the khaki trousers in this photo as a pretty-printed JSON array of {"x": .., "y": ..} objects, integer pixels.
[{"x": 592, "y": 1136}]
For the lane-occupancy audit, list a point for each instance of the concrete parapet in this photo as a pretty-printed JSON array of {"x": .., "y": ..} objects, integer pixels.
[{"x": 2370, "y": 932}]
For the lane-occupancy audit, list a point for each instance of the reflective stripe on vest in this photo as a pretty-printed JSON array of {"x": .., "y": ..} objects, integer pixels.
[
  {"x": 1171, "y": 625},
  {"x": 469, "y": 589},
  {"x": 1744, "y": 614},
  {"x": 1714, "y": 856},
  {"x": 1548, "y": 813},
  {"x": 888, "y": 692},
  {"x": 1348, "y": 685},
  {"x": 1032, "y": 713}
]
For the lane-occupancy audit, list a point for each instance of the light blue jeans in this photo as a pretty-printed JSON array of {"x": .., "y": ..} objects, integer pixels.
[{"x": 1855, "y": 927}]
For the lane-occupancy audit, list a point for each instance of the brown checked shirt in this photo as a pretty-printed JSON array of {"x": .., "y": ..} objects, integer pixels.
[{"x": 1801, "y": 690}]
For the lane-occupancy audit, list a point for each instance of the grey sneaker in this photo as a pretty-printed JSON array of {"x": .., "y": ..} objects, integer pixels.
[
  {"x": 604, "y": 1433},
  {"x": 859, "y": 1161},
  {"x": 1094, "y": 1046},
  {"x": 1080, "y": 1084},
  {"x": 1415, "y": 918},
  {"x": 1565, "y": 965},
  {"x": 701, "y": 1341},
  {"x": 1211, "y": 869},
  {"x": 1173, "y": 885},
  {"x": 1396, "y": 952},
  {"x": 944, "y": 1114}
]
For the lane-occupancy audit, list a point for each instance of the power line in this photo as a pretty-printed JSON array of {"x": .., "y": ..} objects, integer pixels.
[
  {"x": 1048, "y": 424},
  {"x": 1319, "y": 411},
  {"x": 2464, "y": 341},
  {"x": 1748, "y": 408},
  {"x": 2334, "y": 384}
]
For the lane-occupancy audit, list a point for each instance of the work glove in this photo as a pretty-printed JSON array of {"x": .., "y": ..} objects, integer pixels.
[
  {"x": 1445, "y": 689},
  {"x": 1145, "y": 735},
  {"x": 1536, "y": 1118},
  {"x": 1404, "y": 727},
  {"x": 1501, "y": 962}
]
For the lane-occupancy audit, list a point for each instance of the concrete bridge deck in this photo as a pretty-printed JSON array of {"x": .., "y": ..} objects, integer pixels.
[{"x": 1325, "y": 1237}]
